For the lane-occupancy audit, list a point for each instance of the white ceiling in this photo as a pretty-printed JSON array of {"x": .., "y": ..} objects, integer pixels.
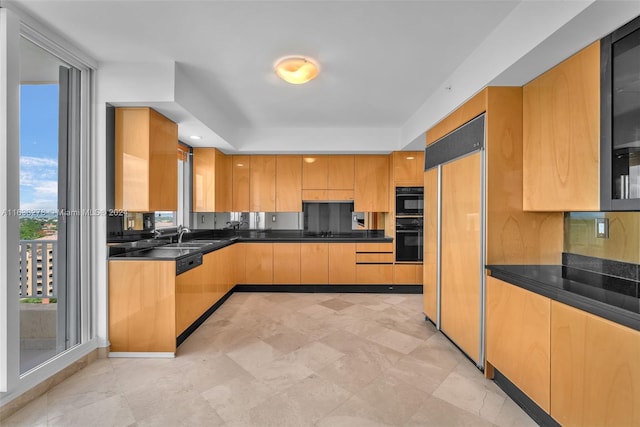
[{"x": 380, "y": 60}]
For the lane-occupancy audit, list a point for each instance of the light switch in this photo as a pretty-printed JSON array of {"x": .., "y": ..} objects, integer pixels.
[{"x": 602, "y": 228}]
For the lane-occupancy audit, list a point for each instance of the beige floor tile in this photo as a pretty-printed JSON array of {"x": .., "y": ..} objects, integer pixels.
[
  {"x": 393, "y": 400},
  {"x": 354, "y": 412},
  {"x": 315, "y": 355},
  {"x": 281, "y": 374},
  {"x": 316, "y": 311},
  {"x": 511, "y": 415},
  {"x": 112, "y": 411},
  {"x": 191, "y": 412},
  {"x": 35, "y": 413},
  {"x": 471, "y": 394},
  {"x": 233, "y": 399},
  {"x": 254, "y": 355},
  {"x": 436, "y": 412},
  {"x": 336, "y": 304},
  {"x": 423, "y": 376},
  {"x": 289, "y": 359},
  {"x": 395, "y": 340}
]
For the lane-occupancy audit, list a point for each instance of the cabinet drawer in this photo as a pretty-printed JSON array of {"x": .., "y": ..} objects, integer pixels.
[
  {"x": 374, "y": 247},
  {"x": 375, "y": 258}
]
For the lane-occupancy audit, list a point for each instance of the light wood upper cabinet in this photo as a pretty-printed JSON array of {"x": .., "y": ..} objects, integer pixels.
[
  {"x": 212, "y": 181},
  {"x": 146, "y": 165},
  {"x": 371, "y": 183},
  {"x": 314, "y": 172},
  {"x": 288, "y": 184},
  {"x": 517, "y": 336},
  {"x": 241, "y": 167},
  {"x": 328, "y": 177},
  {"x": 561, "y": 131},
  {"x": 341, "y": 173},
  {"x": 595, "y": 370},
  {"x": 262, "y": 184},
  {"x": 408, "y": 168}
]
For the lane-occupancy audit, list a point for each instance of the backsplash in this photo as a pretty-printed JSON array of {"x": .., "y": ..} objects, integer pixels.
[{"x": 623, "y": 243}]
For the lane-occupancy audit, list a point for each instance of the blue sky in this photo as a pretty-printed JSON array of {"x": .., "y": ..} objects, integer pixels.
[{"x": 39, "y": 146}]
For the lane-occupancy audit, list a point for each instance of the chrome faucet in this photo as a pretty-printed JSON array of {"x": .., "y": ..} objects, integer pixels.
[{"x": 181, "y": 231}]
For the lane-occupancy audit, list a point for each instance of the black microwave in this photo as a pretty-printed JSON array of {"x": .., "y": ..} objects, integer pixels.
[{"x": 409, "y": 201}]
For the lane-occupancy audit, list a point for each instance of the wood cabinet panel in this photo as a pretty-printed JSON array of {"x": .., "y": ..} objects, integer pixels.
[
  {"x": 211, "y": 181},
  {"x": 371, "y": 186},
  {"x": 259, "y": 263},
  {"x": 368, "y": 274},
  {"x": 518, "y": 335},
  {"x": 561, "y": 120},
  {"x": 315, "y": 170},
  {"x": 314, "y": 263},
  {"x": 288, "y": 183},
  {"x": 408, "y": 168},
  {"x": 146, "y": 166},
  {"x": 340, "y": 173},
  {"x": 311, "y": 195},
  {"x": 342, "y": 263},
  {"x": 262, "y": 184},
  {"x": 334, "y": 195},
  {"x": 461, "y": 253},
  {"x": 513, "y": 236},
  {"x": 375, "y": 258},
  {"x": 469, "y": 110},
  {"x": 286, "y": 263},
  {"x": 142, "y": 314},
  {"x": 407, "y": 274},
  {"x": 195, "y": 292},
  {"x": 430, "y": 251},
  {"x": 374, "y": 247},
  {"x": 595, "y": 374},
  {"x": 238, "y": 263},
  {"x": 241, "y": 167}
]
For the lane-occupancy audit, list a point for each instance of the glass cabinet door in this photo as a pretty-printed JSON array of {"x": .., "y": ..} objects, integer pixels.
[{"x": 620, "y": 119}]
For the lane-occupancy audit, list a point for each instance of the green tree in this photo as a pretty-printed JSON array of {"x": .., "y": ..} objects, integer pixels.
[{"x": 30, "y": 229}]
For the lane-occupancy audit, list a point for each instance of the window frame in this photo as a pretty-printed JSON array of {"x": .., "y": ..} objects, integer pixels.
[{"x": 15, "y": 24}]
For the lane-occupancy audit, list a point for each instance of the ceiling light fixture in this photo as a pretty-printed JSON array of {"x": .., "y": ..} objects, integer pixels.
[
  {"x": 196, "y": 137},
  {"x": 296, "y": 69}
]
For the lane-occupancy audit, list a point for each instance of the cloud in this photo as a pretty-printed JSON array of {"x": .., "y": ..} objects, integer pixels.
[
  {"x": 38, "y": 182},
  {"x": 46, "y": 187},
  {"x": 28, "y": 161}
]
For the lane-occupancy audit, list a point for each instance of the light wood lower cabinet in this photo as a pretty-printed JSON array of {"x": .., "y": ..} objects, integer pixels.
[
  {"x": 259, "y": 263},
  {"x": 286, "y": 263},
  {"x": 595, "y": 370},
  {"x": 518, "y": 338},
  {"x": 342, "y": 263},
  {"x": 142, "y": 296},
  {"x": 407, "y": 274},
  {"x": 370, "y": 274},
  {"x": 315, "y": 263},
  {"x": 374, "y": 263},
  {"x": 149, "y": 306}
]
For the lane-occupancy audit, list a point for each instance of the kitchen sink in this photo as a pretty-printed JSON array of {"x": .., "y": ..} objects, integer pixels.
[{"x": 186, "y": 245}]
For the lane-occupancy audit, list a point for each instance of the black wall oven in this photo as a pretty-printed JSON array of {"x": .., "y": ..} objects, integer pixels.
[
  {"x": 409, "y": 239},
  {"x": 409, "y": 201}
]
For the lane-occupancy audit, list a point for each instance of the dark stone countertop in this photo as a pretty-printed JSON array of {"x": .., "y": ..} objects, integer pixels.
[
  {"x": 150, "y": 249},
  {"x": 609, "y": 297}
]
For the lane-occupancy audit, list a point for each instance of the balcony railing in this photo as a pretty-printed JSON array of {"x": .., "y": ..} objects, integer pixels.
[{"x": 38, "y": 268}]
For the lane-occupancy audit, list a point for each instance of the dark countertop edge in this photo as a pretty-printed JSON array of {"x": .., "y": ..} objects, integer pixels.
[
  {"x": 601, "y": 309},
  {"x": 128, "y": 256}
]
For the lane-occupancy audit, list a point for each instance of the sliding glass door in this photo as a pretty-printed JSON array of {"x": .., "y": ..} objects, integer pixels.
[{"x": 48, "y": 288}]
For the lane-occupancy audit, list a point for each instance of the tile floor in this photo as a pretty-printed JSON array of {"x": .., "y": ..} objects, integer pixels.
[{"x": 276, "y": 359}]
